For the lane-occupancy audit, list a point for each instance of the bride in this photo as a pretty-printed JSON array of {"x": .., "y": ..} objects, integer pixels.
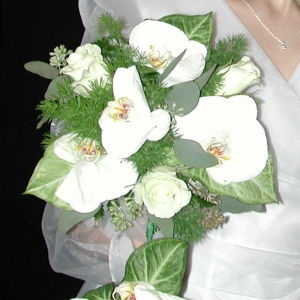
[{"x": 254, "y": 256}]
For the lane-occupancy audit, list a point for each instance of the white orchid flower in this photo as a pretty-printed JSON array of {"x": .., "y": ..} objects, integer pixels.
[
  {"x": 162, "y": 42},
  {"x": 127, "y": 122},
  {"x": 94, "y": 178},
  {"x": 140, "y": 291},
  {"x": 228, "y": 129}
]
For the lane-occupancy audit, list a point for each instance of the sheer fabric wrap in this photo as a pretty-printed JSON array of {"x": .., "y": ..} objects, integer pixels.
[{"x": 255, "y": 255}]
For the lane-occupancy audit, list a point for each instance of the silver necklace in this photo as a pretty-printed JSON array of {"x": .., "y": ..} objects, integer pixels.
[{"x": 283, "y": 43}]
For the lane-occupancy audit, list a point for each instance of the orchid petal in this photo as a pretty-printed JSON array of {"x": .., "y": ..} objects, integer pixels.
[
  {"x": 151, "y": 32},
  {"x": 78, "y": 188},
  {"x": 162, "y": 125},
  {"x": 64, "y": 148}
]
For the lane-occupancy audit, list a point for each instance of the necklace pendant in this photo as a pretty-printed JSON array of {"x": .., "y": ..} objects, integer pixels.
[{"x": 283, "y": 46}]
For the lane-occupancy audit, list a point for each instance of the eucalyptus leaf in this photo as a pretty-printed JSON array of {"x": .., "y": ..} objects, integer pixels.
[
  {"x": 102, "y": 293},
  {"x": 160, "y": 262},
  {"x": 258, "y": 190},
  {"x": 203, "y": 79},
  {"x": 191, "y": 154},
  {"x": 41, "y": 68},
  {"x": 47, "y": 177},
  {"x": 183, "y": 98},
  {"x": 166, "y": 226},
  {"x": 198, "y": 28},
  {"x": 171, "y": 66},
  {"x": 51, "y": 92},
  {"x": 233, "y": 206},
  {"x": 69, "y": 218},
  {"x": 42, "y": 122}
]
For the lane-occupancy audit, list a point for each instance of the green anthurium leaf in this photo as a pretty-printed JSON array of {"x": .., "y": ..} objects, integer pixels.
[
  {"x": 198, "y": 28},
  {"x": 183, "y": 98},
  {"x": 171, "y": 66},
  {"x": 160, "y": 262},
  {"x": 258, "y": 190},
  {"x": 166, "y": 226},
  {"x": 69, "y": 218},
  {"x": 41, "y": 68},
  {"x": 102, "y": 293},
  {"x": 51, "y": 92},
  {"x": 233, "y": 206},
  {"x": 47, "y": 177},
  {"x": 191, "y": 154},
  {"x": 202, "y": 80}
]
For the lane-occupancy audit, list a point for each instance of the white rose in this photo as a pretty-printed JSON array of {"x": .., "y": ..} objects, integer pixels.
[
  {"x": 162, "y": 192},
  {"x": 85, "y": 65},
  {"x": 239, "y": 76}
]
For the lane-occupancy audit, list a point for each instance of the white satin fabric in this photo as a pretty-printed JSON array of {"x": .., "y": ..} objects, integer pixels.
[{"x": 254, "y": 256}]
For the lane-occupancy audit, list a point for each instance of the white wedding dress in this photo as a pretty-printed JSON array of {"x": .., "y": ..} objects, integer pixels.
[{"x": 254, "y": 255}]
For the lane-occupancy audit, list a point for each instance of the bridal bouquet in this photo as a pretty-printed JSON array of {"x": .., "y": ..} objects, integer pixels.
[{"x": 157, "y": 124}]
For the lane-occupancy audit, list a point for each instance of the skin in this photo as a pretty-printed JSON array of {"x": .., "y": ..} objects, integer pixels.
[{"x": 282, "y": 17}]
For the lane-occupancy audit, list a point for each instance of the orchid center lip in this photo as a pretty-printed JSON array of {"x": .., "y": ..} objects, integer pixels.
[
  {"x": 219, "y": 148},
  {"x": 88, "y": 151},
  {"x": 159, "y": 56},
  {"x": 119, "y": 109}
]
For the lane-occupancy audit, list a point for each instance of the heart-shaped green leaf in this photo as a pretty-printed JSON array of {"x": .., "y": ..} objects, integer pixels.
[
  {"x": 102, "y": 293},
  {"x": 198, "y": 28},
  {"x": 160, "y": 262},
  {"x": 47, "y": 177}
]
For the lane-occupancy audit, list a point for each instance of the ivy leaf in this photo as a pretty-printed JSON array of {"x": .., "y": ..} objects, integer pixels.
[
  {"x": 41, "y": 68},
  {"x": 160, "y": 262},
  {"x": 198, "y": 28},
  {"x": 166, "y": 226},
  {"x": 183, "y": 98},
  {"x": 47, "y": 177},
  {"x": 51, "y": 92},
  {"x": 171, "y": 67},
  {"x": 203, "y": 79},
  {"x": 191, "y": 154},
  {"x": 69, "y": 218},
  {"x": 233, "y": 206},
  {"x": 102, "y": 293}
]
